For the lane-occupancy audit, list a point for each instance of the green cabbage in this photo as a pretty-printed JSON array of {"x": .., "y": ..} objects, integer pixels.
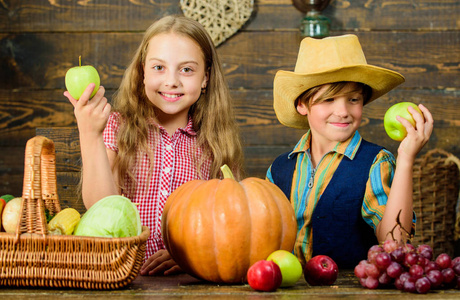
[{"x": 112, "y": 216}]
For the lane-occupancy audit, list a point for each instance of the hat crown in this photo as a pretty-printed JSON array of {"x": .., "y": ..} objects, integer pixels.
[{"x": 331, "y": 53}]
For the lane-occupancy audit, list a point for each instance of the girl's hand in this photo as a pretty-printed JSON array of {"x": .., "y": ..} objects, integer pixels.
[
  {"x": 417, "y": 136},
  {"x": 92, "y": 114},
  {"x": 160, "y": 263}
]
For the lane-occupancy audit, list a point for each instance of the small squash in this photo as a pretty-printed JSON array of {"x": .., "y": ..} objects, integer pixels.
[
  {"x": 64, "y": 222},
  {"x": 216, "y": 229}
]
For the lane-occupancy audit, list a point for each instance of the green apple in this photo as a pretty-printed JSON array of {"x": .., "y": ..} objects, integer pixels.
[
  {"x": 393, "y": 127},
  {"x": 291, "y": 269},
  {"x": 78, "y": 78}
]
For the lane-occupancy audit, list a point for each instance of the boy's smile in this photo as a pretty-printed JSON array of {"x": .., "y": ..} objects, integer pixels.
[{"x": 340, "y": 124}]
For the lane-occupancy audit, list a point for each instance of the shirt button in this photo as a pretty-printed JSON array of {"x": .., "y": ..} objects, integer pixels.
[
  {"x": 167, "y": 170},
  {"x": 164, "y": 193},
  {"x": 168, "y": 147}
]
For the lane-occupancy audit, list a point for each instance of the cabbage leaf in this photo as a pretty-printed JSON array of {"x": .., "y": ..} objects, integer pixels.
[{"x": 112, "y": 216}]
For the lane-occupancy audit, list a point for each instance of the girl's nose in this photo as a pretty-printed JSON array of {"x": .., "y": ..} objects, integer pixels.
[{"x": 171, "y": 79}]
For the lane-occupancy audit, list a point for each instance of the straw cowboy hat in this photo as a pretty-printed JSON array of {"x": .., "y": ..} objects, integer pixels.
[{"x": 322, "y": 61}]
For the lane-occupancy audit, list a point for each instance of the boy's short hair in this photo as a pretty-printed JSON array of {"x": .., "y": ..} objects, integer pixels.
[{"x": 334, "y": 89}]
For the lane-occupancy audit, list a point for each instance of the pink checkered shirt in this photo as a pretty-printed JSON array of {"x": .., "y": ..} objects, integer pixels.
[{"x": 173, "y": 166}]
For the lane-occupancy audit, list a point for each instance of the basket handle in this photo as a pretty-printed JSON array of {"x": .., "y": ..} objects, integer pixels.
[
  {"x": 449, "y": 157},
  {"x": 39, "y": 186},
  {"x": 453, "y": 159}
]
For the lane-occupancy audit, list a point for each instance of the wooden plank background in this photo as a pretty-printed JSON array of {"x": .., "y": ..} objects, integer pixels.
[{"x": 40, "y": 40}]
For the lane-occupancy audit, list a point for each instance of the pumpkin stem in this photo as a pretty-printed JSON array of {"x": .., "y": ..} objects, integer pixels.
[{"x": 227, "y": 172}]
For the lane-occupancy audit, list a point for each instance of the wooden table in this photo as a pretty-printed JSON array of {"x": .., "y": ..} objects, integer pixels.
[{"x": 186, "y": 287}]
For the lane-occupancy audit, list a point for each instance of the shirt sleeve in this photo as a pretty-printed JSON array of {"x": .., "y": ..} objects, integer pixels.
[
  {"x": 110, "y": 132},
  {"x": 268, "y": 176},
  {"x": 378, "y": 187}
]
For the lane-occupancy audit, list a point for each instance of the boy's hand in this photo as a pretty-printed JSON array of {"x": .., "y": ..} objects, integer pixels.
[
  {"x": 92, "y": 114},
  {"x": 417, "y": 136},
  {"x": 160, "y": 263}
]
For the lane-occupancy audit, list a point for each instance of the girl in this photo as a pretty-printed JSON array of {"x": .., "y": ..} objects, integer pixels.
[{"x": 172, "y": 121}]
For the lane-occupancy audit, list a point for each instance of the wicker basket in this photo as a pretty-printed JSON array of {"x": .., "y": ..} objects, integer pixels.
[
  {"x": 436, "y": 189},
  {"x": 31, "y": 257}
]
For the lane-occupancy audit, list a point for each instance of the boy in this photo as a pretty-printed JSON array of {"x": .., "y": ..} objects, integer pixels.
[{"x": 338, "y": 183}]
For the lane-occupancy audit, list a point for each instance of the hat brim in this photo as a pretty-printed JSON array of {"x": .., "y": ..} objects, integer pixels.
[{"x": 288, "y": 86}]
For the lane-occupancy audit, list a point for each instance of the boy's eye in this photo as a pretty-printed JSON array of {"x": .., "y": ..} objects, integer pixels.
[
  {"x": 355, "y": 100},
  {"x": 329, "y": 100}
]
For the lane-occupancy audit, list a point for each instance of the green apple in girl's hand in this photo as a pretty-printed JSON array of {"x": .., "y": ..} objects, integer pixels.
[
  {"x": 78, "y": 78},
  {"x": 394, "y": 129}
]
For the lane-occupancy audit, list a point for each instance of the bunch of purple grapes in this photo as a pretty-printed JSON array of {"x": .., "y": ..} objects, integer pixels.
[{"x": 408, "y": 268}]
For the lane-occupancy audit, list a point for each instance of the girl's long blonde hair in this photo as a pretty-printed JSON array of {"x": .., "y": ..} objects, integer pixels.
[{"x": 212, "y": 115}]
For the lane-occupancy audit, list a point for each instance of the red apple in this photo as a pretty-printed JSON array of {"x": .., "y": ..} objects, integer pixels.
[
  {"x": 321, "y": 270},
  {"x": 264, "y": 276}
]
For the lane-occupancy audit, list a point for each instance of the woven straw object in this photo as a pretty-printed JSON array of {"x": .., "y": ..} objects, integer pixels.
[
  {"x": 221, "y": 18},
  {"x": 31, "y": 257},
  {"x": 436, "y": 190}
]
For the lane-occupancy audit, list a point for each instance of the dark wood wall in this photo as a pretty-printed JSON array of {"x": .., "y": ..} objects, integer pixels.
[{"x": 40, "y": 40}]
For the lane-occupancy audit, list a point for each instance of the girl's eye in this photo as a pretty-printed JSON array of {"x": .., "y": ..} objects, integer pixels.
[
  {"x": 158, "y": 68},
  {"x": 329, "y": 100},
  {"x": 186, "y": 70}
]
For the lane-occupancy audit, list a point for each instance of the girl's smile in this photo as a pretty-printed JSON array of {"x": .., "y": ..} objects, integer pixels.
[{"x": 171, "y": 97}]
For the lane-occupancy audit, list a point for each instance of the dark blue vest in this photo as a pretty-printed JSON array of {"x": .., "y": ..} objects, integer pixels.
[{"x": 339, "y": 230}]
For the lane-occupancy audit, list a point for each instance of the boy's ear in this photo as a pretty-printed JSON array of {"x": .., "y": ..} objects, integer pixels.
[{"x": 302, "y": 108}]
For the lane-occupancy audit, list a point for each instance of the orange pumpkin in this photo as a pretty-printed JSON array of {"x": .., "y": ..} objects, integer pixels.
[{"x": 216, "y": 229}]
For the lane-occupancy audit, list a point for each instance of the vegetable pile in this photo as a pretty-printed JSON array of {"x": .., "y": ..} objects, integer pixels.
[{"x": 112, "y": 216}]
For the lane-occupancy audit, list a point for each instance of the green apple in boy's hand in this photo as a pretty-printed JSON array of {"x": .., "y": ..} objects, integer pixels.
[
  {"x": 393, "y": 127},
  {"x": 78, "y": 78},
  {"x": 291, "y": 269}
]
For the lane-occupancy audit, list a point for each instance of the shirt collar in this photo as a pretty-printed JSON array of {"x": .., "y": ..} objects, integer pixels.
[
  {"x": 347, "y": 148},
  {"x": 188, "y": 129}
]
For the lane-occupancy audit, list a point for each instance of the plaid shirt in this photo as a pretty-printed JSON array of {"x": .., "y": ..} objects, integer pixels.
[
  {"x": 174, "y": 165},
  {"x": 304, "y": 196}
]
